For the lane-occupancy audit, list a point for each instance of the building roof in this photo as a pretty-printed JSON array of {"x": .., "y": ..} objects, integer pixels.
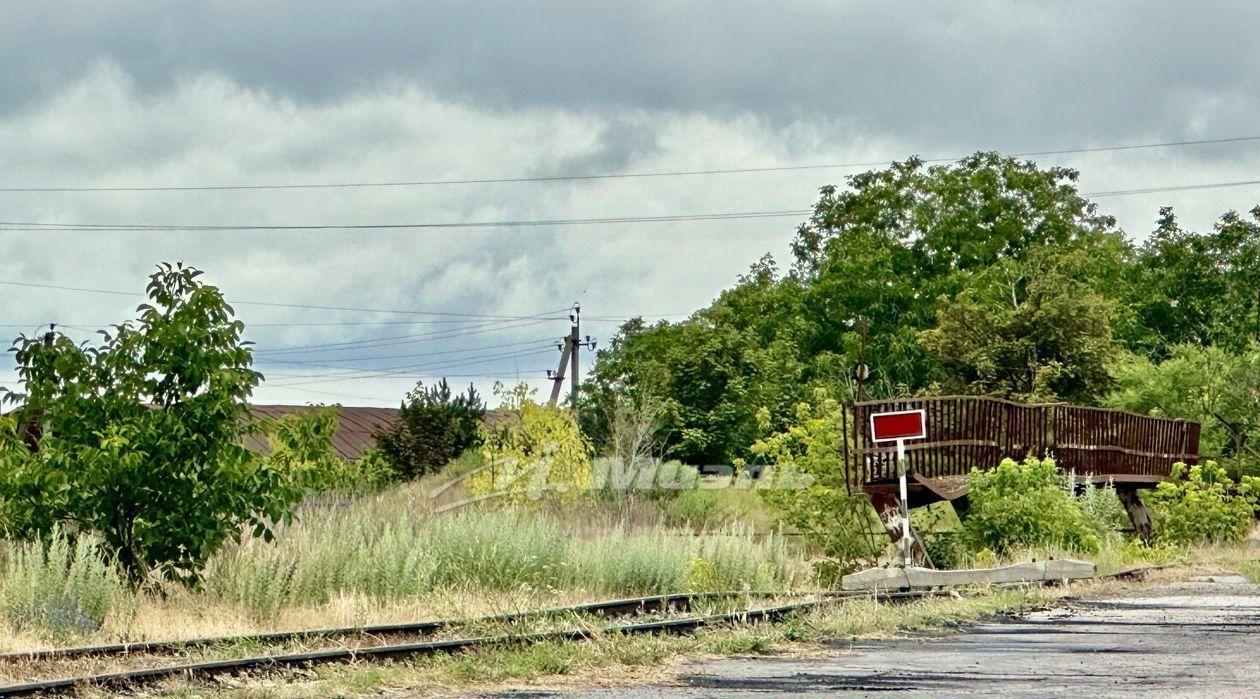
[{"x": 355, "y": 427}]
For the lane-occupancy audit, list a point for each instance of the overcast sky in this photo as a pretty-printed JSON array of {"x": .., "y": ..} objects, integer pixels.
[{"x": 220, "y": 93}]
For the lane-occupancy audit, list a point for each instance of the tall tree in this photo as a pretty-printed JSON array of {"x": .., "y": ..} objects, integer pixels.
[{"x": 1196, "y": 288}]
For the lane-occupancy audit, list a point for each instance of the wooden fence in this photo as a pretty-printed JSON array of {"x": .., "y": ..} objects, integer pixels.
[{"x": 966, "y": 432}]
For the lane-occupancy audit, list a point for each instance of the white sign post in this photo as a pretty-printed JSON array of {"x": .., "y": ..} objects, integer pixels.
[{"x": 898, "y": 426}]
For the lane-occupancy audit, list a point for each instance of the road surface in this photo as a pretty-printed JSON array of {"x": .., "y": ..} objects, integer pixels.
[{"x": 1190, "y": 639}]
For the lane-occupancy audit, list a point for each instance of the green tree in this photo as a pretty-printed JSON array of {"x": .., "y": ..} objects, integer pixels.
[
  {"x": 538, "y": 451},
  {"x": 1215, "y": 387},
  {"x": 302, "y": 449},
  {"x": 1029, "y": 330},
  {"x": 899, "y": 252},
  {"x": 879, "y": 257},
  {"x": 433, "y": 427},
  {"x": 1194, "y": 288},
  {"x": 140, "y": 437}
]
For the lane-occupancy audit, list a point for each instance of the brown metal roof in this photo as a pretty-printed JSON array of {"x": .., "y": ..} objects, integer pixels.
[{"x": 355, "y": 427}]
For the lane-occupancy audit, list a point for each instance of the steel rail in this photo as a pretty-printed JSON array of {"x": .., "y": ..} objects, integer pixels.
[
  {"x": 612, "y": 608},
  {"x": 131, "y": 678}
]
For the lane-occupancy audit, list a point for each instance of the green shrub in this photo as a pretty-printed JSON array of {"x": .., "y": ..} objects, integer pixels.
[
  {"x": 1024, "y": 505},
  {"x": 1201, "y": 504},
  {"x": 302, "y": 449},
  {"x": 1102, "y": 507},
  {"x": 58, "y": 587},
  {"x": 946, "y": 549},
  {"x": 433, "y": 427}
]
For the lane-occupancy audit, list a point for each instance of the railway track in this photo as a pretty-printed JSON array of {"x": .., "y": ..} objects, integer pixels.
[{"x": 613, "y": 608}]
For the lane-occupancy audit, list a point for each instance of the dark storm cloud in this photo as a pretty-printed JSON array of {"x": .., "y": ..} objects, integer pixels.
[{"x": 989, "y": 75}]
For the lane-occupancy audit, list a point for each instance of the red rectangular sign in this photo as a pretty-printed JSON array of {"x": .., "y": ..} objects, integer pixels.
[{"x": 902, "y": 424}]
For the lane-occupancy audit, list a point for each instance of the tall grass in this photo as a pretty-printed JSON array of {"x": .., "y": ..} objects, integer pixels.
[
  {"x": 58, "y": 587},
  {"x": 383, "y": 549}
]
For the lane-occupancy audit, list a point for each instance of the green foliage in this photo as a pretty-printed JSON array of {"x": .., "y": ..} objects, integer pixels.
[
  {"x": 986, "y": 275},
  {"x": 59, "y": 586},
  {"x": 806, "y": 481},
  {"x": 1201, "y": 504},
  {"x": 1217, "y": 388},
  {"x": 539, "y": 450},
  {"x": 140, "y": 437},
  {"x": 1024, "y": 505},
  {"x": 1030, "y": 330},
  {"x": 1102, "y": 507},
  {"x": 1195, "y": 288},
  {"x": 302, "y": 449},
  {"x": 433, "y": 427}
]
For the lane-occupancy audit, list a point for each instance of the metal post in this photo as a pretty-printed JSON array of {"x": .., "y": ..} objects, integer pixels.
[
  {"x": 575, "y": 343},
  {"x": 905, "y": 501}
]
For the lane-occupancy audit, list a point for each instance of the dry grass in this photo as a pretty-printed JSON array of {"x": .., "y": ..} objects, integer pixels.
[
  {"x": 615, "y": 660},
  {"x": 388, "y": 557}
]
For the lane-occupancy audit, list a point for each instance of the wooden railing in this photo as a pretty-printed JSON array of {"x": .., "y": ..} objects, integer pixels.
[{"x": 966, "y": 432}]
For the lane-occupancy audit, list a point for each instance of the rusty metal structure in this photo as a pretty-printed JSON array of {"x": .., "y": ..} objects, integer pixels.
[{"x": 965, "y": 432}]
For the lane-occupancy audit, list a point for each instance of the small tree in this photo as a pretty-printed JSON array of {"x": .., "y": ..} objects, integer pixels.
[
  {"x": 540, "y": 450},
  {"x": 433, "y": 427},
  {"x": 140, "y": 438},
  {"x": 302, "y": 449},
  {"x": 805, "y": 479}
]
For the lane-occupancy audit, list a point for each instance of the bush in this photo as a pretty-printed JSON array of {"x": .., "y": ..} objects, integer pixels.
[
  {"x": 1102, "y": 507},
  {"x": 1201, "y": 504},
  {"x": 433, "y": 427},
  {"x": 302, "y": 450},
  {"x": 541, "y": 450},
  {"x": 1019, "y": 505},
  {"x": 58, "y": 586}
]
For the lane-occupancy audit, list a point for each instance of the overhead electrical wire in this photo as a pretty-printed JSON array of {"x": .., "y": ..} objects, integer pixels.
[
  {"x": 597, "y": 176},
  {"x": 306, "y": 306},
  {"x": 521, "y": 223},
  {"x": 404, "y": 372},
  {"x": 373, "y": 343},
  {"x": 326, "y": 362}
]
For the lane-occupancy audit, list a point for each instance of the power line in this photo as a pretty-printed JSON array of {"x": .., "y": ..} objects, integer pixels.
[
  {"x": 328, "y": 362},
  {"x": 346, "y": 309},
  {"x": 515, "y": 223},
  {"x": 402, "y": 339},
  {"x": 601, "y": 176},
  {"x": 522, "y": 223},
  {"x": 404, "y": 372},
  {"x": 1171, "y": 188}
]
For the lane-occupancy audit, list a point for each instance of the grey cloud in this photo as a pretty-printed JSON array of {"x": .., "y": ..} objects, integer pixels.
[{"x": 984, "y": 74}]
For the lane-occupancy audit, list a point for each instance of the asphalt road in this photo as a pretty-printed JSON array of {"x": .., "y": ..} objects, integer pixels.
[{"x": 1195, "y": 639}]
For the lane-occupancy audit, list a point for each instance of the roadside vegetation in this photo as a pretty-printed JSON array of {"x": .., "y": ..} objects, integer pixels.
[{"x": 130, "y": 508}]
